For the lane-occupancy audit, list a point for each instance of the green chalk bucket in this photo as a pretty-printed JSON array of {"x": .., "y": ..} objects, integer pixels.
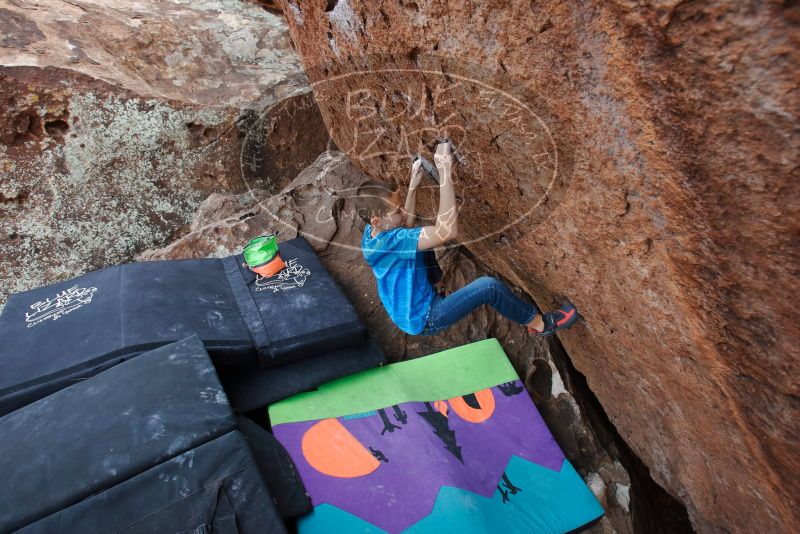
[{"x": 260, "y": 250}]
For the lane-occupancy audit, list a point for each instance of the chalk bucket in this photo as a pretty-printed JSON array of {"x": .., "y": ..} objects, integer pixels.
[{"x": 262, "y": 257}]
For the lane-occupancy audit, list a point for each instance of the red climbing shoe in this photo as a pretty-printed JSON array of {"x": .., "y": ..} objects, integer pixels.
[{"x": 559, "y": 319}]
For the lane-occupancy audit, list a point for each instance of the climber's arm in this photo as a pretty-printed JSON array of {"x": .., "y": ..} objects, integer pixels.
[
  {"x": 411, "y": 198},
  {"x": 446, "y": 227}
]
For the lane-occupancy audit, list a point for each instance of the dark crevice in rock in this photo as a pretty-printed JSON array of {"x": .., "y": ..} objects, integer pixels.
[
  {"x": 195, "y": 129},
  {"x": 56, "y": 128},
  {"x": 246, "y": 215},
  {"x": 653, "y": 509},
  {"x": 270, "y": 5},
  {"x": 540, "y": 382}
]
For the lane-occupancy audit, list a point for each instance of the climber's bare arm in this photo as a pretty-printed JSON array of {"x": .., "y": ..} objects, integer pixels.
[
  {"x": 411, "y": 199},
  {"x": 446, "y": 227}
]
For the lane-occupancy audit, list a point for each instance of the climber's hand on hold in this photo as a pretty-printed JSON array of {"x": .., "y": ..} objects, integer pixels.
[
  {"x": 416, "y": 174},
  {"x": 443, "y": 158}
]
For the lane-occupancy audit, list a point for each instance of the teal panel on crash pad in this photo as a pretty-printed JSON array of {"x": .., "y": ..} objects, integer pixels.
[
  {"x": 549, "y": 502},
  {"x": 444, "y": 375},
  {"x": 328, "y": 518}
]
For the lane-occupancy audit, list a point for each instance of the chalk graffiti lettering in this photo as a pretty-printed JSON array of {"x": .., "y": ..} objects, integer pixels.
[
  {"x": 292, "y": 276},
  {"x": 63, "y": 303}
]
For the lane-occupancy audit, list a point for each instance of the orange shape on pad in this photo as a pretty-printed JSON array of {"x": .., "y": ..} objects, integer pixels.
[
  {"x": 332, "y": 450},
  {"x": 485, "y": 399}
]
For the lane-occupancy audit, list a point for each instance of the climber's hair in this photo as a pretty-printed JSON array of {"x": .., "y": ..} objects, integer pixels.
[{"x": 371, "y": 199}]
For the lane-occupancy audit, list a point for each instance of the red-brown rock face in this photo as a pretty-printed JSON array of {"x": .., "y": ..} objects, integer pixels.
[
  {"x": 117, "y": 119},
  {"x": 639, "y": 159}
]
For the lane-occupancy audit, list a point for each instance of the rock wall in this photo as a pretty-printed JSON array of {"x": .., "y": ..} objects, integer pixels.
[
  {"x": 117, "y": 119},
  {"x": 638, "y": 158}
]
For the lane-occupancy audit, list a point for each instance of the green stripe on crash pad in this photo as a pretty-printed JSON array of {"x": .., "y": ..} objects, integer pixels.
[{"x": 444, "y": 375}]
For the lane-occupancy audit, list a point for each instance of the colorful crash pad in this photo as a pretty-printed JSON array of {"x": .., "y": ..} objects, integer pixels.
[{"x": 446, "y": 443}]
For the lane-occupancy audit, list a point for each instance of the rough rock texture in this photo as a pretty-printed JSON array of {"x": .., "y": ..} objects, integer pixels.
[
  {"x": 211, "y": 52},
  {"x": 316, "y": 206},
  {"x": 658, "y": 142},
  {"x": 117, "y": 119}
]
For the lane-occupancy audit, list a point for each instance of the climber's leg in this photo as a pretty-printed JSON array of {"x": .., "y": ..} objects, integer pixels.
[{"x": 446, "y": 311}]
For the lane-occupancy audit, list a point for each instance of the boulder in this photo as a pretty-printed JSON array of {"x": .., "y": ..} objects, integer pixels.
[
  {"x": 639, "y": 158},
  {"x": 117, "y": 119}
]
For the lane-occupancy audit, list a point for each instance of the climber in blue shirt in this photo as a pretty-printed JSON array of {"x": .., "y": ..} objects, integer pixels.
[{"x": 394, "y": 249}]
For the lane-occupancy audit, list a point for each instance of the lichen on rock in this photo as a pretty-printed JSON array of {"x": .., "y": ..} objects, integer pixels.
[{"x": 118, "y": 119}]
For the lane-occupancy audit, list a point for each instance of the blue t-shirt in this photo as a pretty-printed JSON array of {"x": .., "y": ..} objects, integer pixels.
[{"x": 403, "y": 285}]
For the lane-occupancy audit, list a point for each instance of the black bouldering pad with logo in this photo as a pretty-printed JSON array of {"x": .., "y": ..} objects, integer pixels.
[
  {"x": 52, "y": 336},
  {"x": 302, "y": 310}
]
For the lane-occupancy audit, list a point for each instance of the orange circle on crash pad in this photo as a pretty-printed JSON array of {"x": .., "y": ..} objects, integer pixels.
[
  {"x": 485, "y": 399},
  {"x": 332, "y": 450}
]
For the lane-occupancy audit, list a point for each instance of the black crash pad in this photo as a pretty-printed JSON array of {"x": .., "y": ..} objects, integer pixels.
[
  {"x": 250, "y": 389},
  {"x": 194, "y": 492},
  {"x": 299, "y": 312},
  {"x": 278, "y": 470},
  {"x": 120, "y": 427},
  {"x": 55, "y": 335}
]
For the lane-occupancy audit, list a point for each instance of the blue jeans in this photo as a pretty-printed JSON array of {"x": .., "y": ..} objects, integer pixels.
[{"x": 445, "y": 311}]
